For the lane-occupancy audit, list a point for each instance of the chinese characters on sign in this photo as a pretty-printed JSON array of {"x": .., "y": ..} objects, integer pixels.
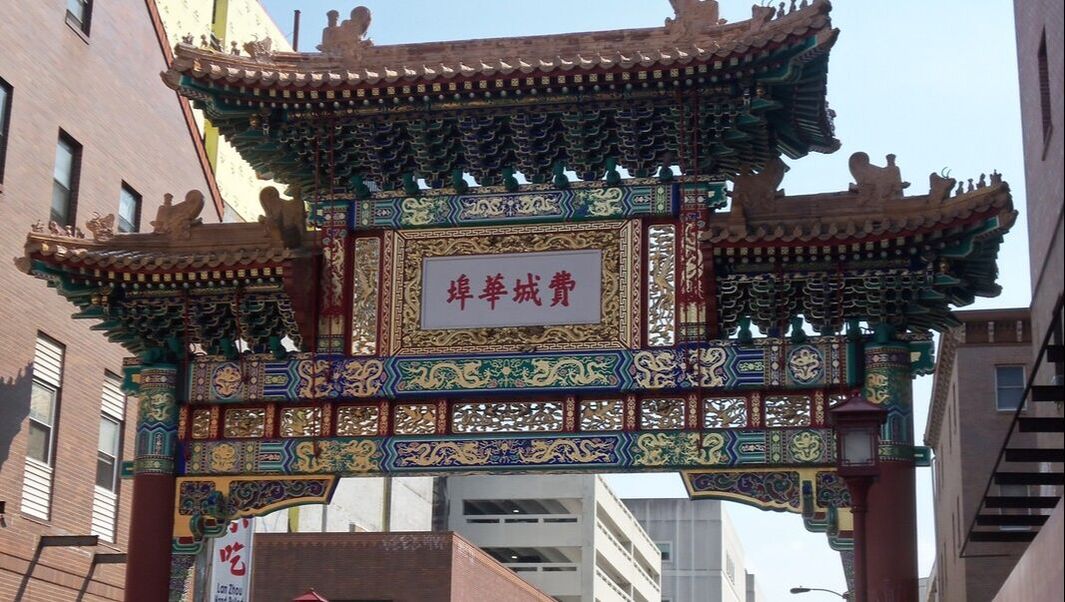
[
  {"x": 518, "y": 289},
  {"x": 231, "y": 564}
]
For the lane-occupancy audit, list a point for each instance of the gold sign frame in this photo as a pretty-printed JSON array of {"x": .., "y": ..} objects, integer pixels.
[{"x": 619, "y": 327}]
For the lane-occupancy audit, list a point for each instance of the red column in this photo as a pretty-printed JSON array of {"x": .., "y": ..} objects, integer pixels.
[
  {"x": 891, "y": 509},
  {"x": 152, "y": 522},
  {"x": 891, "y": 535}
]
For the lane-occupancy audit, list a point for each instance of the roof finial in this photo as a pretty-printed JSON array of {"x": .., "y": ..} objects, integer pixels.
[
  {"x": 349, "y": 37},
  {"x": 693, "y": 16}
]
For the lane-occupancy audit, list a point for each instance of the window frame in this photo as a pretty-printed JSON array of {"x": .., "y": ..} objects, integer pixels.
[
  {"x": 56, "y": 390},
  {"x": 75, "y": 176},
  {"x": 665, "y": 554},
  {"x": 126, "y": 189},
  {"x": 5, "y": 123},
  {"x": 116, "y": 457},
  {"x": 998, "y": 387},
  {"x": 84, "y": 23},
  {"x": 49, "y": 459}
]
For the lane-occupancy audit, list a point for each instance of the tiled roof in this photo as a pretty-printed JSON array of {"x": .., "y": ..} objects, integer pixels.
[
  {"x": 210, "y": 247},
  {"x": 841, "y": 216},
  {"x": 684, "y": 41}
]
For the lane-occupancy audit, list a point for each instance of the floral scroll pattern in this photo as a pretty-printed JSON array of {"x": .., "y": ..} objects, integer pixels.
[
  {"x": 724, "y": 412},
  {"x": 354, "y": 421},
  {"x": 787, "y": 410},
  {"x": 504, "y": 417},
  {"x": 661, "y": 285},
  {"x": 601, "y": 415},
  {"x": 662, "y": 413},
  {"x": 779, "y": 490}
]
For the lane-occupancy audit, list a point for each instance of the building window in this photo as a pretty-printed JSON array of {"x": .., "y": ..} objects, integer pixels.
[
  {"x": 665, "y": 548},
  {"x": 43, "y": 398},
  {"x": 65, "y": 180},
  {"x": 129, "y": 210},
  {"x": 1009, "y": 387},
  {"x": 108, "y": 458},
  {"x": 45, "y": 388},
  {"x": 1044, "y": 89},
  {"x": 108, "y": 453},
  {"x": 5, "y": 117},
  {"x": 79, "y": 14}
]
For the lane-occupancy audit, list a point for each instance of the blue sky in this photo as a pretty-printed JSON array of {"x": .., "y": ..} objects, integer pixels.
[{"x": 932, "y": 82}]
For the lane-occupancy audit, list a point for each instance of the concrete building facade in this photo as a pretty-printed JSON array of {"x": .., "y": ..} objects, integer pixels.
[
  {"x": 568, "y": 535},
  {"x": 360, "y": 505},
  {"x": 702, "y": 557},
  {"x": 978, "y": 382},
  {"x": 86, "y": 127}
]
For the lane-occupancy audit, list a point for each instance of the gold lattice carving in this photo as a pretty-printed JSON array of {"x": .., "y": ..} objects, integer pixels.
[
  {"x": 506, "y": 417},
  {"x": 301, "y": 422},
  {"x": 601, "y": 415},
  {"x": 364, "y": 289},
  {"x": 244, "y": 423},
  {"x": 787, "y": 410},
  {"x": 724, "y": 412},
  {"x": 415, "y": 419},
  {"x": 661, "y": 285},
  {"x": 662, "y": 414},
  {"x": 354, "y": 421},
  {"x": 619, "y": 296},
  {"x": 201, "y": 424}
]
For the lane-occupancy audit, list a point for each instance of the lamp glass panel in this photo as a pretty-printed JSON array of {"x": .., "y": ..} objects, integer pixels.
[{"x": 858, "y": 448}]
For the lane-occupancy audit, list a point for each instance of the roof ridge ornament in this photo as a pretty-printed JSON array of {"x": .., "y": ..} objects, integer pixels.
[
  {"x": 874, "y": 183},
  {"x": 347, "y": 39},
  {"x": 691, "y": 16},
  {"x": 178, "y": 219}
]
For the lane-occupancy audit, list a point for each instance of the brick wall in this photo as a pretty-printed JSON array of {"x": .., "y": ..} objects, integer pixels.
[
  {"x": 399, "y": 567},
  {"x": 105, "y": 91}
]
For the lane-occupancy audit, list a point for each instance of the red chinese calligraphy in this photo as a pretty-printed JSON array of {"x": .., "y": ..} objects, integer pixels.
[
  {"x": 562, "y": 283},
  {"x": 229, "y": 554},
  {"x": 528, "y": 290},
  {"x": 460, "y": 291},
  {"x": 494, "y": 289}
]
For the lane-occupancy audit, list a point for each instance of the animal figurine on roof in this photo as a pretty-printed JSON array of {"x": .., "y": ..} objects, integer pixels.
[
  {"x": 283, "y": 219},
  {"x": 874, "y": 183},
  {"x": 177, "y": 219}
]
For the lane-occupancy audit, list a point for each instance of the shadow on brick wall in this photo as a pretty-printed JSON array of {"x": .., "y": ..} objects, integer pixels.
[{"x": 14, "y": 406}]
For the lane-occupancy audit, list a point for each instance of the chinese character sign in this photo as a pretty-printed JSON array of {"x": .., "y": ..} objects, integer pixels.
[
  {"x": 514, "y": 289},
  {"x": 231, "y": 564}
]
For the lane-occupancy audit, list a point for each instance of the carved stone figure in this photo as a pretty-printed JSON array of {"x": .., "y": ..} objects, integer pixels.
[
  {"x": 259, "y": 49},
  {"x": 101, "y": 226},
  {"x": 284, "y": 219},
  {"x": 693, "y": 16},
  {"x": 752, "y": 190},
  {"x": 874, "y": 183},
  {"x": 348, "y": 39},
  {"x": 176, "y": 219},
  {"x": 939, "y": 187}
]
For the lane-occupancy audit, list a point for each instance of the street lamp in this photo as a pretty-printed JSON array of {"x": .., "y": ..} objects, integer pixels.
[
  {"x": 803, "y": 590},
  {"x": 857, "y": 424}
]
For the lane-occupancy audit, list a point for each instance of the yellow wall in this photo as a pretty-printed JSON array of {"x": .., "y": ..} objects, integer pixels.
[{"x": 242, "y": 21}]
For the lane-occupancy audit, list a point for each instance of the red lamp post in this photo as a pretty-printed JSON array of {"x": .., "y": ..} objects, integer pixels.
[{"x": 857, "y": 423}]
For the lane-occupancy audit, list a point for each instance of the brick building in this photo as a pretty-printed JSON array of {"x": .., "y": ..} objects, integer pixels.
[
  {"x": 86, "y": 127},
  {"x": 400, "y": 567},
  {"x": 1040, "y": 573},
  {"x": 979, "y": 381}
]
